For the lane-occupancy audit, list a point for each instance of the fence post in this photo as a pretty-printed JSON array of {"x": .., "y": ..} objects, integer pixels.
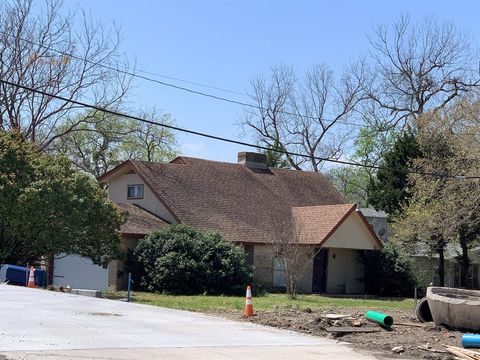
[
  {"x": 128, "y": 286},
  {"x": 28, "y": 274},
  {"x": 415, "y": 296}
]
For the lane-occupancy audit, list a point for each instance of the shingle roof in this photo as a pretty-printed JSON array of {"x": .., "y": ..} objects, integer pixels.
[
  {"x": 369, "y": 212},
  {"x": 317, "y": 223},
  {"x": 140, "y": 221},
  {"x": 235, "y": 200},
  {"x": 242, "y": 203}
]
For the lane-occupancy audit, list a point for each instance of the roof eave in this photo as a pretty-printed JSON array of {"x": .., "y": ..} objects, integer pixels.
[{"x": 109, "y": 174}]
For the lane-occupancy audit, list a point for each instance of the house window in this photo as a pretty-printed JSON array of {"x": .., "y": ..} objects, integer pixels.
[
  {"x": 278, "y": 271},
  {"x": 135, "y": 191}
]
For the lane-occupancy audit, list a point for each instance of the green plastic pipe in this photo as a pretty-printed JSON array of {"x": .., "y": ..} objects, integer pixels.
[{"x": 379, "y": 318}]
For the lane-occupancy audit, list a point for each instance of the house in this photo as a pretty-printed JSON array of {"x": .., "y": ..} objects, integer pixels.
[
  {"x": 427, "y": 267},
  {"x": 239, "y": 200},
  {"x": 378, "y": 220}
]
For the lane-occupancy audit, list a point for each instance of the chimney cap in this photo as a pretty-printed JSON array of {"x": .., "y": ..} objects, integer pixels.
[{"x": 252, "y": 159}]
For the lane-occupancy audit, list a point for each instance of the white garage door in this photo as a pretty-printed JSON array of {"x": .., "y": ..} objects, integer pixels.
[{"x": 79, "y": 273}]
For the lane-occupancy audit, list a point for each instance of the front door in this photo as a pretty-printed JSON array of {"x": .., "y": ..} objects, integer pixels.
[{"x": 319, "y": 278}]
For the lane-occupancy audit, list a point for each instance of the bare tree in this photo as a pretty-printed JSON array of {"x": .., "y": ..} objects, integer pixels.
[
  {"x": 63, "y": 54},
  {"x": 420, "y": 67},
  {"x": 103, "y": 141},
  {"x": 303, "y": 116},
  {"x": 291, "y": 249}
]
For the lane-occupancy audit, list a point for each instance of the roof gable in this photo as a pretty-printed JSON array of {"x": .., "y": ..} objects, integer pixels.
[{"x": 335, "y": 226}]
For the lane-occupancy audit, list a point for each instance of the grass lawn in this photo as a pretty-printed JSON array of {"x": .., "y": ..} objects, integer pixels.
[{"x": 265, "y": 302}]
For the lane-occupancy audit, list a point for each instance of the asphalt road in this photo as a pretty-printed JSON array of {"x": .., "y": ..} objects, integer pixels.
[{"x": 38, "y": 324}]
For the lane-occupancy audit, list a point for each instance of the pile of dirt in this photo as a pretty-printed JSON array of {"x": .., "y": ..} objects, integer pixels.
[{"x": 402, "y": 341}]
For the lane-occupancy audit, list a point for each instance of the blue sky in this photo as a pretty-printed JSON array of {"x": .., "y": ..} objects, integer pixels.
[{"x": 223, "y": 43}]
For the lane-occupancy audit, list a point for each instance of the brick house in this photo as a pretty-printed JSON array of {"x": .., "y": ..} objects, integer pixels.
[{"x": 238, "y": 200}]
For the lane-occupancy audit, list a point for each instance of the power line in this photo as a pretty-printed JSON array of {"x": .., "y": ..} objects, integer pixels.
[
  {"x": 233, "y": 141},
  {"x": 130, "y": 72},
  {"x": 193, "y": 83}
]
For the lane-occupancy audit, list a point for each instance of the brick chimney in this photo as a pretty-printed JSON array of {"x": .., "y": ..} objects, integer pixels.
[{"x": 253, "y": 160}]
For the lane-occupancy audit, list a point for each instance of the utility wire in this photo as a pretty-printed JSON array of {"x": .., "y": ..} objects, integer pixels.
[
  {"x": 130, "y": 72},
  {"x": 232, "y": 141}
]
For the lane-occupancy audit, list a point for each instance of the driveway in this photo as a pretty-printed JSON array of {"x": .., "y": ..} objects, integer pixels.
[{"x": 38, "y": 324}]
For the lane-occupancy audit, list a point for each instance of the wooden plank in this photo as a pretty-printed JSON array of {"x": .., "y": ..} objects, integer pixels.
[
  {"x": 410, "y": 324},
  {"x": 334, "y": 316},
  {"x": 458, "y": 352},
  {"x": 351, "y": 329},
  {"x": 425, "y": 348},
  {"x": 473, "y": 354}
]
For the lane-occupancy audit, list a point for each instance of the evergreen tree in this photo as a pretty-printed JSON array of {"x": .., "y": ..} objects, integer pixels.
[
  {"x": 388, "y": 190},
  {"x": 276, "y": 159}
]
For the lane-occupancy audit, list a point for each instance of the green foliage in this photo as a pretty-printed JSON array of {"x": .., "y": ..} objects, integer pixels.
[
  {"x": 48, "y": 208},
  {"x": 182, "y": 260},
  {"x": 351, "y": 182},
  {"x": 390, "y": 272},
  {"x": 371, "y": 143},
  {"x": 388, "y": 191},
  {"x": 102, "y": 141},
  {"x": 267, "y": 302},
  {"x": 276, "y": 159}
]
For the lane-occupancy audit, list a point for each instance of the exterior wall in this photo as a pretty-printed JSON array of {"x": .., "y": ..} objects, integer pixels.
[
  {"x": 263, "y": 269},
  {"x": 117, "y": 192},
  {"x": 427, "y": 269},
  {"x": 344, "y": 272},
  {"x": 79, "y": 273},
  {"x": 351, "y": 235}
]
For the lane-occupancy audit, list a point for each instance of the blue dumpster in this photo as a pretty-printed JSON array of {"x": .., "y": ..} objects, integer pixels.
[{"x": 18, "y": 275}]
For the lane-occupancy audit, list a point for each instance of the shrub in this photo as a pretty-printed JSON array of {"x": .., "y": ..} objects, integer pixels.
[
  {"x": 390, "y": 272},
  {"x": 182, "y": 260}
]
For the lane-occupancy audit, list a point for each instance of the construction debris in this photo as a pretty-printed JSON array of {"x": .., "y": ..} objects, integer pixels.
[
  {"x": 335, "y": 316},
  {"x": 398, "y": 349},
  {"x": 351, "y": 329},
  {"x": 419, "y": 341},
  {"x": 427, "y": 347},
  {"x": 463, "y": 353},
  {"x": 357, "y": 323},
  {"x": 410, "y": 324}
]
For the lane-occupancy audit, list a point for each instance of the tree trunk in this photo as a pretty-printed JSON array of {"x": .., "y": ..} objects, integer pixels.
[
  {"x": 1, "y": 231},
  {"x": 465, "y": 263},
  {"x": 441, "y": 265}
]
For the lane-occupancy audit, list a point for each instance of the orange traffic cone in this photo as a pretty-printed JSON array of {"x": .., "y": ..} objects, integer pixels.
[
  {"x": 31, "y": 278},
  {"x": 248, "y": 309}
]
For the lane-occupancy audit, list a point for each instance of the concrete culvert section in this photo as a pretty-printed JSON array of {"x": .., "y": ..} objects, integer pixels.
[
  {"x": 423, "y": 311},
  {"x": 455, "y": 308}
]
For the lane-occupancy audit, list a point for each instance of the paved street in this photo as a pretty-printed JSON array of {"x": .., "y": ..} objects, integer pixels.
[{"x": 38, "y": 324}]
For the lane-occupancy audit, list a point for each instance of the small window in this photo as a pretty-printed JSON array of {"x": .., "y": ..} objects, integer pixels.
[
  {"x": 278, "y": 271},
  {"x": 135, "y": 191}
]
